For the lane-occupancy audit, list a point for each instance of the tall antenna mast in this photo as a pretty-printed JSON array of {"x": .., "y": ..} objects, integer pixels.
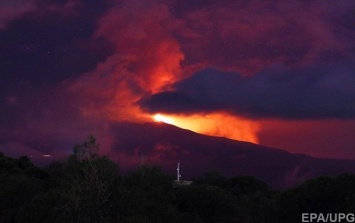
[
  {"x": 178, "y": 182},
  {"x": 178, "y": 172}
]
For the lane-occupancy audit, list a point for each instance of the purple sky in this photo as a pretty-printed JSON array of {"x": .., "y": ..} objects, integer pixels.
[{"x": 282, "y": 71}]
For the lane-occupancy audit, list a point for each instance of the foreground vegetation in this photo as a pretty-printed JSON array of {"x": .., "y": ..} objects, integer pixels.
[{"x": 89, "y": 188}]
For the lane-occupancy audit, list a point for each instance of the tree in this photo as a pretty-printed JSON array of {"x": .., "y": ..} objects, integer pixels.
[
  {"x": 204, "y": 203},
  {"x": 214, "y": 178},
  {"x": 87, "y": 150},
  {"x": 253, "y": 199},
  {"x": 24, "y": 162},
  {"x": 87, "y": 185},
  {"x": 319, "y": 195},
  {"x": 147, "y": 196},
  {"x": 20, "y": 183}
]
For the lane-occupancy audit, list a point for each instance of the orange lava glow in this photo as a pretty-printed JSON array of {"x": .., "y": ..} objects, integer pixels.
[
  {"x": 147, "y": 60},
  {"x": 217, "y": 124},
  {"x": 163, "y": 118}
]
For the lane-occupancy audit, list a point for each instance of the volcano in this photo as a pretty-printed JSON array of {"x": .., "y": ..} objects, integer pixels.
[{"x": 166, "y": 145}]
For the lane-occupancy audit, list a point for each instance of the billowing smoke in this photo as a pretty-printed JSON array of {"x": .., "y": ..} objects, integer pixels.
[
  {"x": 10, "y": 10},
  {"x": 317, "y": 93},
  {"x": 147, "y": 60},
  {"x": 74, "y": 67}
]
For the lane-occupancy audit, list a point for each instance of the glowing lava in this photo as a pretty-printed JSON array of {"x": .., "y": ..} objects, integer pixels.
[
  {"x": 163, "y": 118},
  {"x": 147, "y": 59},
  {"x": 216, "y": 124}
]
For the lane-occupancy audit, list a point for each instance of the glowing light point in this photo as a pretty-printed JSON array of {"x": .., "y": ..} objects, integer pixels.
[{"x": 163, "y": 118}]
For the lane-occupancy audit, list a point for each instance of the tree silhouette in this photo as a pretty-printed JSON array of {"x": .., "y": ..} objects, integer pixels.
[{"x": 87, "y": 185}]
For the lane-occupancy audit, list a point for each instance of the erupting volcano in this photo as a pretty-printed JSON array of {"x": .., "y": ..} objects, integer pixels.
[{"x": 279, "y": 74}]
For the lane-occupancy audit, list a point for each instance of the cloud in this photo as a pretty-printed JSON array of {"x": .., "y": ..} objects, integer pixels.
[
  {"x": 153, "y": 46},
  {"x": 50, "y": 119},
  {"x": 14, "y": 9},
  {"x": 146, "y": 58},
  {"x": 142, "y": 35},
  {"x": 249, "y": 36},
  {"x": 276, "y": 92}
]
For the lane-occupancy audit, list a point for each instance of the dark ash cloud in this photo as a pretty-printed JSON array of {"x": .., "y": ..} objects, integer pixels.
[
  {"x": 311, "y": 93},
  {"x": 249, "y": 36}
]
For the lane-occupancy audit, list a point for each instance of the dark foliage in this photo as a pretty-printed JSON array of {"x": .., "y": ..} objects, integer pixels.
[{"x": 88, "y": 188}]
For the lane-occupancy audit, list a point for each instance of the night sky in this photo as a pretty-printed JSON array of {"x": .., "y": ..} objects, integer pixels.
[{"x": 276, "y": 73}]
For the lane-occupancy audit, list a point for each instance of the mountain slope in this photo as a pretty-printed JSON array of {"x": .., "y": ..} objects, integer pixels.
[{"x": 166, "y": 145}]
